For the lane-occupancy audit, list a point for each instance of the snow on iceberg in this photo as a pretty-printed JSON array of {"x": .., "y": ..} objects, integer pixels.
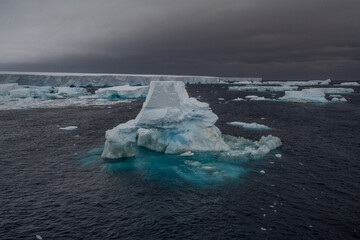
[
  {"x": 251, "y": 126},
  {"x": 263, "y": 88},
  {"x": 170, "y": 122},
  {"x": 122, "y": 92},
  {"x": 6, "y": 88}
]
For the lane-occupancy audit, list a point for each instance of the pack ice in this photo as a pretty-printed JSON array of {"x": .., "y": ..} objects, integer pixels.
[{"x": 170, "y": 122}]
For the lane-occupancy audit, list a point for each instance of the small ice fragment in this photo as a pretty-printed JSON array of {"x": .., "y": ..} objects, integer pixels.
[
  {"x": 186, "y": 154},
  {"x": 262, "y": 172},
  {"x": 300, "y": 163},
  {"x": 264, "y": 215},
  {"x": 69, "y": 128},
  {"x": 271, "y": 162},
  {"x": 263, "y": 229},
  {"x": 310, "y": 226},
  {"x": 238, "y": 99},
  {"x": 39, "y": 237},
  {"x": 272, "y": 206},
  {"x": 278, "y": 155},
  {"x": 275, "y": 210},
  {"x": 221, "y": 99},
  {"x": 262, "y": 118},
  {"x": 207, "y": 167}
]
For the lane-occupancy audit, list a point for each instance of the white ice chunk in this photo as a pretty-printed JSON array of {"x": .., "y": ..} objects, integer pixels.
[
  {"x": 238, "y": 99},
  {"x": 338, "y": 100},
  {"x": 168, "y": 122},
  {"x": 122, "y": 92},
  {"x": 263, "y": 88},
  {"x": 71, "y": 91},
  {"x": 278, "y": 155},
  {"x": 69, "y": 128},
  {"x": 20, "y": 93},
  {"x": 187, "y": 154},
  {"x": 251, "y": 126},
  {"x": 6, "y": 88}
]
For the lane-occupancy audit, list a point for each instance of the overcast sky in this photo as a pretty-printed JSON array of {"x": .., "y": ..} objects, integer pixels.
[{"x": 273, "y": 39}]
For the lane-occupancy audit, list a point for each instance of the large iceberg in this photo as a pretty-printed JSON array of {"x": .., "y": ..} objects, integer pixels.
[
  {"x": 122, "y": 92},
  {"x": 170, "y": 122}
]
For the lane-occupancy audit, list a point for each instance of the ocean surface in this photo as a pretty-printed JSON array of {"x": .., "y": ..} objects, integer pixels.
[{"x": 53, "y": 183}]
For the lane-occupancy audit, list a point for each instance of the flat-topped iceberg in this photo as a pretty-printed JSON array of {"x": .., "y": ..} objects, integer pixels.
[
  {"x": 122, "y": 92},
  {"x": 263, "y": 88},
  {"x": 305, "y": 95},
  {"x": 169, "y": 122},
  {"x": 354, "y": 84}
]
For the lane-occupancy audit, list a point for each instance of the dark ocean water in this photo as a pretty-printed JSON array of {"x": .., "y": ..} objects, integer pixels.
[{"x": 53, "y": 184}]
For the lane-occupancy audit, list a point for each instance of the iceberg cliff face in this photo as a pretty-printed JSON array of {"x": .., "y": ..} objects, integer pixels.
[{"x": 169, "y": 122}]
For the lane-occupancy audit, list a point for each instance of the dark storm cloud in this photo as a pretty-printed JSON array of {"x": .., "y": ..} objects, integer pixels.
[{"x": 273, "y": 39}]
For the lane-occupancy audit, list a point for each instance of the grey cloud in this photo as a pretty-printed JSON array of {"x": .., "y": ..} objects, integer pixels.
[{"x": 275, "y": 39}]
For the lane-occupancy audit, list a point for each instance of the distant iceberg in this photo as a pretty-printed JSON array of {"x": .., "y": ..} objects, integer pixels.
[
  {"x": 263, "y": 88},
  {"x": 251, "y": 126},
  {"x": 305, "y": 95},
  {"x": 122, "y": 92},
  {"x": 354, "y": 84}
]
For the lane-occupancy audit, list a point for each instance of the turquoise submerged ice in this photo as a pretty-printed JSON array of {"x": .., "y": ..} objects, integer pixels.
[{"x": 173, "y": 123}]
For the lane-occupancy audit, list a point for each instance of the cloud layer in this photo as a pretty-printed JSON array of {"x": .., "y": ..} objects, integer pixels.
[{"x": 278, "y": 39}]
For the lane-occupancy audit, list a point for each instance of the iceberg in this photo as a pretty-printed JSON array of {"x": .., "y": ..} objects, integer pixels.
[
  {"x": 173, "y": 123},
  {"x": 298, "y": 83},
  {"x": 354, "y": 84},
  {"x": 122, "y": 92},
  {"x": 305, "y": 95},
  {"x": 251, "y": 126},
  {"x": 263, "y": 88},
  {"x": 170, "y": 122},
  {"x": 336, "y": 90},
  {"x": 6, "y": 88}
]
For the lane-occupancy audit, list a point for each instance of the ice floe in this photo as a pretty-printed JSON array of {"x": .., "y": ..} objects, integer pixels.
[
  {"x": 69, "y": 128},
  {"x": 251, "y": 126}
]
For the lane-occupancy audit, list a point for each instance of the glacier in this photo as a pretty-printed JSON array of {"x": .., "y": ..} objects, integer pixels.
[{"x": 171, "y": 122}]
